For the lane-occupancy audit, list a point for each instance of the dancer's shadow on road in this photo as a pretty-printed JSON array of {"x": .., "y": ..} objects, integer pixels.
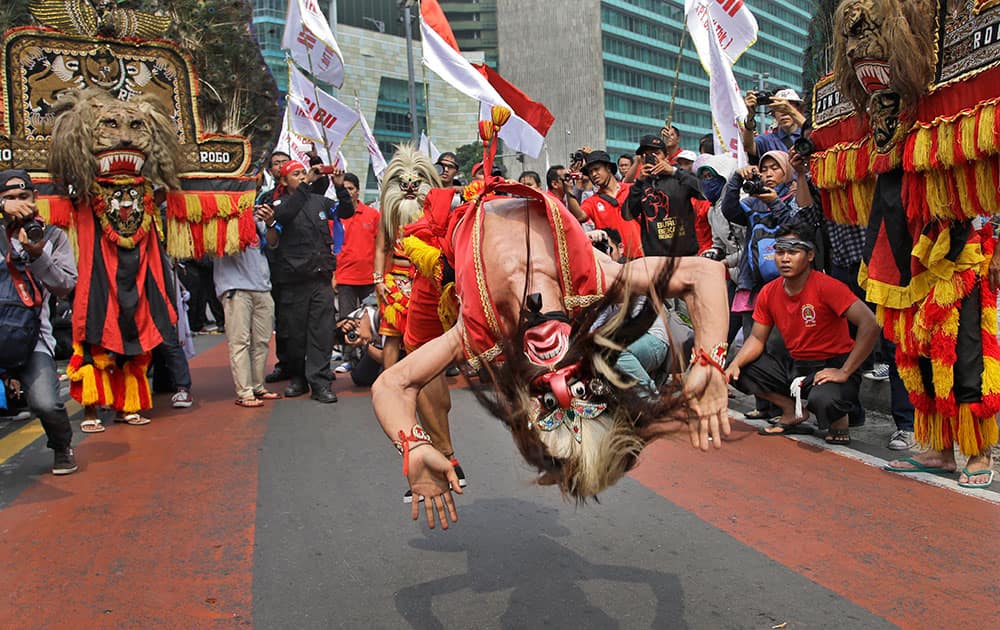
[{"x": 510, "y": 545}]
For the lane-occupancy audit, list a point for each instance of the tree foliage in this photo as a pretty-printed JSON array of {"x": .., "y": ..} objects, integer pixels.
[
  {"x": 468, "y": 155},
  {"x": 236, "y": 92}
]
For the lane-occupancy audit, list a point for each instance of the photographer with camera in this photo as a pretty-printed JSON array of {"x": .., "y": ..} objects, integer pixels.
[
  {"x": 36, "y": 262},
  {"x": 360, "y": 330},
  {"x": 304, "y": 264},
  {"x": 604, "y": 208},
  {"x": 660, "y": 201},
  {"x": 786, "y": 106},
  {"x": 559, "y": 185}
]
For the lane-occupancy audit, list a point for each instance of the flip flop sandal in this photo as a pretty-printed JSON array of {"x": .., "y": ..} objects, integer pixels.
[
  {"x": 838, "y": 437},
  {"x": 757, "y": 414},
  {"x": 786, "y": 429},
  {"x": 974, "y": 473},
  {"x": 133, "y": 419},
  {"x": 265, "y": 395},
  {"x": 917, "y": 467},
  {"x": 93, "y": 425},
  {"x": 249, "y": 402}
]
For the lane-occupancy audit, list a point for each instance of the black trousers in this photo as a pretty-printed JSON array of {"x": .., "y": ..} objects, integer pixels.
[
  {"x": 774, "y": 373},
  {"x": 308, "y": 317},
  {"x": 170, "y": 365},
  {"x": 280, "y": 334}
]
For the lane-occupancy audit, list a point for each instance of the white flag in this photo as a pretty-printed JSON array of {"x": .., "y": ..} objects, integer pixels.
[
  {"x": 722, "y": 30},
  {"x": 309, "y": 40},
  {"x": 427, "y": 147},
  {"x": 316, "y": 115},
  {"x": 378, "y": 160},
  {"x": 734, "y": 27},
  {"x": 297, "y": 146}
]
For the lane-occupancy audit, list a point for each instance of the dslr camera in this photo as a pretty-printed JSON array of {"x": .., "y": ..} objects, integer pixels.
[
  {"x": 576, "y": 156},
  {"x": 804, "y": 146},
  {"x": 649, "y": 158},
  {"x": 33, "y": 228},
  {"x": 763, "y": 97},
  {"x": 755, "y": 185}
]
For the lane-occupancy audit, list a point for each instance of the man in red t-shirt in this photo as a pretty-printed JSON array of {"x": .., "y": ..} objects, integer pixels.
[
  {"x": 605, "y": 207},
  {"x": 812, "y": 312},
  {"x": 356, "y": 261}
]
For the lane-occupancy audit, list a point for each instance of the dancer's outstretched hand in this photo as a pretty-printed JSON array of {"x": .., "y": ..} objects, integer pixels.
[
  {"x": 432, "y": 476},
  {"x": 708, "y": 400}
]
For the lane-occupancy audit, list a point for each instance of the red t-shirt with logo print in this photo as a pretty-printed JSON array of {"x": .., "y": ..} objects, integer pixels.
[
  {"x": 811, "y": 322},
  {"x": 605, "y": 215}
]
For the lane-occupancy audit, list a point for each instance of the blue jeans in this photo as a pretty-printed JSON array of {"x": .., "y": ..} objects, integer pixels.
[
  {"x": 644, "y": 355},
  {"x": 41, "y": 386}
]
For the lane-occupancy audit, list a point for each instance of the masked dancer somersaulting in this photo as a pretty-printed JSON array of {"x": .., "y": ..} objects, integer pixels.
[{"x": 531, "y": 288}]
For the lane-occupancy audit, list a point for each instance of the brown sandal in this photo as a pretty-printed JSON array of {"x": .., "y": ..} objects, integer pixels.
[{"x": 249, "y": 402}]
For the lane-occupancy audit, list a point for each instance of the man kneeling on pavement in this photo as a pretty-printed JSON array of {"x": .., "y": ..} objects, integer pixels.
[{"x": 812, "y": 312}]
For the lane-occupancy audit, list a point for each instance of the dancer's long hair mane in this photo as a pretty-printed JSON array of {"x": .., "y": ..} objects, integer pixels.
[
  {"x": 407, "y": 165},
  {"x": 611, "y": 442}
]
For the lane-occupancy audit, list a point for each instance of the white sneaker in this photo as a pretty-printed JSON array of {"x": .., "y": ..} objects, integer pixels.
[
  {"x": 343, "y": 367},
  {"x": 902, "y": 441},
  {"x": 878, "y": 373},
  {"x": 336, "y": 356}
]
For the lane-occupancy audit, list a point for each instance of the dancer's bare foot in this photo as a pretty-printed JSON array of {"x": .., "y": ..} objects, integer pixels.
[
  {"x": 944, "y": 460},
  {"x": 980, "y": 466}
]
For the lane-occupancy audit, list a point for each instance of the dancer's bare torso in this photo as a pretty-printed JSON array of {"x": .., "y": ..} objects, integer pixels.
[{"x": 508, "y": 225}]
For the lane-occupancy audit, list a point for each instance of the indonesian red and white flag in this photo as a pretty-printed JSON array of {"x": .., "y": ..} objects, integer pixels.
[
  {"x": 377, "y": 159},
  {"x": 530, "y": 121},
  {"x": 722, "y": 30},
  {"x": 310, "y": 42},
  {"x": 317, "y": 115}
]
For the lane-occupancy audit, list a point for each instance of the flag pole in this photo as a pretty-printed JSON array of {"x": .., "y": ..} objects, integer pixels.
[{"x": 411, "y": 80}]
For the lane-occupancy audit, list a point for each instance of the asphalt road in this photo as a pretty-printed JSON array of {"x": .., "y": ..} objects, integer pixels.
[{"x": 291, "y": 517}]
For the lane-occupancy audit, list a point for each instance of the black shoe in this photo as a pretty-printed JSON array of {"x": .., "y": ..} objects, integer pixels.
[
  {"x": 64, "y": 463},
  {"x": 324, "y": 396},
  {"x": 295, "y": 389},
  {"x": 452, "y": 371},
  {"x": 277, "y": 375}
]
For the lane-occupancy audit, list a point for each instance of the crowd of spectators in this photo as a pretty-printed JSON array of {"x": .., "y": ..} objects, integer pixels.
[{"x": 800, "y": 334}]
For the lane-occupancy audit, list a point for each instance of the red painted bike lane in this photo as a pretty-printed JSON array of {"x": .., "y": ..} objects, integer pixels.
[
  {"x": 917, "y": 555},
  {"x": 157, "y": 528}
]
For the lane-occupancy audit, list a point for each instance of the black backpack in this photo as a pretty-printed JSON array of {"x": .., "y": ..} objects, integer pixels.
[{"x": 20, "y": 316}]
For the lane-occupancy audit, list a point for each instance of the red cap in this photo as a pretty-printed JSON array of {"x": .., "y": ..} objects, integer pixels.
[
  {"x": 291, "y": 165},
  {"x": 478, "y": 167}
]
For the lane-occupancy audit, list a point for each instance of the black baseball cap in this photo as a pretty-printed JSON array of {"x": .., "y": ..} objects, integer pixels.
[
  {"x": 651, "y": 142},
  {"x": 599, "y": 157},
  {"x": 15, "y": 173}
]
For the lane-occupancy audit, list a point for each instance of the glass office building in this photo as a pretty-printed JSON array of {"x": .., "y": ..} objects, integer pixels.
[{"x": 639, "y": 41}]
